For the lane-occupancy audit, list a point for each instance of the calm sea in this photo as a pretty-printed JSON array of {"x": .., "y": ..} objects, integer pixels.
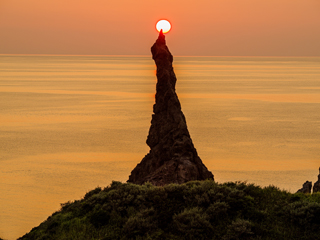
[{"x": 71, "y": 123}]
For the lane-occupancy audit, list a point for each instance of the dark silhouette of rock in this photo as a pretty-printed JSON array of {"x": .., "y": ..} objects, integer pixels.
[
  {"x": 316, "y": 186},
  {"x": 172, "y": 157},
  {"x": 306, "y": 187}
]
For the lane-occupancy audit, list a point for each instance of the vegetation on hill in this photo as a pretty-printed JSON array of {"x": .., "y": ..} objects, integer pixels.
[{"x": 194, "y": 210}]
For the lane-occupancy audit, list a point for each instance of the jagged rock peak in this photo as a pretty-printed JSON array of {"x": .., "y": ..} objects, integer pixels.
[
  {"x": 316, "y": 186},
  {"x": 172, "y": 157},
  {"x": 306, "y": 187}
]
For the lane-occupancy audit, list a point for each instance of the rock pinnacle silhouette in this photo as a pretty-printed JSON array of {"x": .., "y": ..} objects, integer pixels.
[
  {"x": 316, "y": 186},
  {"x": 172, "y": 157}
]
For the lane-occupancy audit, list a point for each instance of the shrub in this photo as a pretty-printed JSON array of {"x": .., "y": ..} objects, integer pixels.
[
  {"x": 141, "y": 225},
  {"x": 99, "y": 217},
  {"x": 92, "y": 192},
  {"x": 195, "y": 210},
  {"x": 217, "y": 211},
  {"x": 239, "y": 229},
  {"x": 192, "y": 224}
]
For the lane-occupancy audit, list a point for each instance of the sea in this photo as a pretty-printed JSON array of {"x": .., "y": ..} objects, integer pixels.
[{"x": 69, "y": 124}]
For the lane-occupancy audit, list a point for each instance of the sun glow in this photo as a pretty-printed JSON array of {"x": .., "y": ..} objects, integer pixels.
[{"x": 164, "y": 25}]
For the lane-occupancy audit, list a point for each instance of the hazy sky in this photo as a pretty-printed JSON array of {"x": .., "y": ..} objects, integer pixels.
[{"x": 127, "y": 27}]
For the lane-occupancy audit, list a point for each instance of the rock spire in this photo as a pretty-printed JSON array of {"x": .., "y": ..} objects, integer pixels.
[
  {"x": 316, "y": 186},
  {"x": 172, "y": 157},
  {"x": 306, "y": 187}
]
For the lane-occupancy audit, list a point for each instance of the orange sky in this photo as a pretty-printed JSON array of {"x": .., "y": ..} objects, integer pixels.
[{"x": 126, "y": 27}]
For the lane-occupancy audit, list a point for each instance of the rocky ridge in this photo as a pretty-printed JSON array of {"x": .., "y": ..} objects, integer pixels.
[
  {"x": 316, "y": 186},
  {"x": 172, "y": 157},
  {"x": 307, "y": 186}
]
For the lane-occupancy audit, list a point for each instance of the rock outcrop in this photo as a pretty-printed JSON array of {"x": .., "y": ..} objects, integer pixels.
[
  {"x": 316, "y": 186},
  {"x": 306, "y": 187},
  {"x": 172, "y": 157}
]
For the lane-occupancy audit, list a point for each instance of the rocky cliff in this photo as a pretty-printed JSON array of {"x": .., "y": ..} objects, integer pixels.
[
  {"x": 172, "y": 157},
  {"x": 306, "y": 187},
  {"x": 316, "y": 186}
]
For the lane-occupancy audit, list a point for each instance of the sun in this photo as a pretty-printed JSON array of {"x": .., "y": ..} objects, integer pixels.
[{"x": 164, "y": 25}]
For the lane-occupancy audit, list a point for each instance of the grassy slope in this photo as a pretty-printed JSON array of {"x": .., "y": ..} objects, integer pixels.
[{"x": 195, "y": 210}]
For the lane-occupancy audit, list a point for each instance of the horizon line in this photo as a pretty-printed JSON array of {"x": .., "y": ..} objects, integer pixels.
[{"x": 140, "y": 55}]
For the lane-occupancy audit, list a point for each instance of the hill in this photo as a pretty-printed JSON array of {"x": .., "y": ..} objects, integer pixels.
[{"x": 194, "y": 210}]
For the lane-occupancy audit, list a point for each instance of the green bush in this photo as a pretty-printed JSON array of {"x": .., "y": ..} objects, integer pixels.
[
  {"x": 239, "y": 229},
  {"x": 192, "y": 224},
  {"x": 142, "y": 224},
  {"x": 195, "y": 210},
  {"x": 92, "y": 192}
]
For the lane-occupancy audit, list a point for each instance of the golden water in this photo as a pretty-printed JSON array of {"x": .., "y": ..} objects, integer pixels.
[{"x": 72, "y": 123}]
